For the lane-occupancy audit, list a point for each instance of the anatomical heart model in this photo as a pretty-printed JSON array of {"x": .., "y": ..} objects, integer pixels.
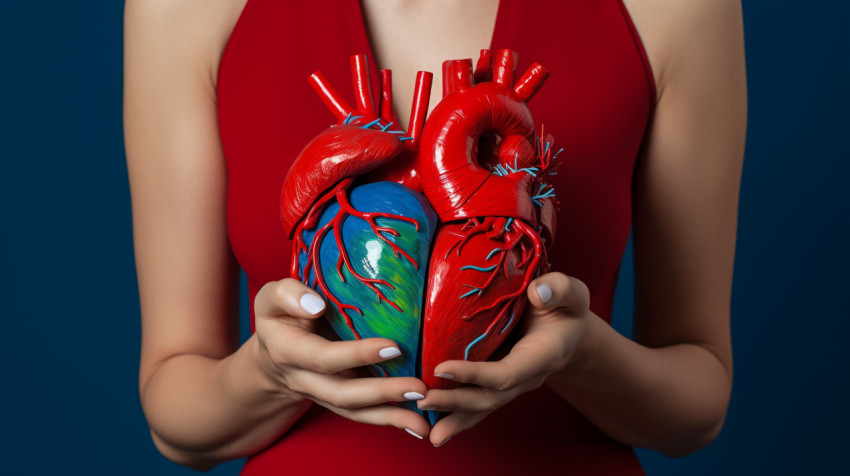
[{"x": 429, "y": 236}]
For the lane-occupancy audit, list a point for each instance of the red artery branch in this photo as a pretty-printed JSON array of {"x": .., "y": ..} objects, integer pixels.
[
  {"x": 379, "y": 231},
  {"x": 334, "y": 226},
  {"x": 516, "y": 234}
]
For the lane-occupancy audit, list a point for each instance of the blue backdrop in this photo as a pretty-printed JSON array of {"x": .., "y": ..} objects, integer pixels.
[{"x": 70, "y": 319}]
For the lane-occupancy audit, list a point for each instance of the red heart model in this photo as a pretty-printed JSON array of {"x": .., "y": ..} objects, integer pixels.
[
  {"x": 481, "y": 167},
  {"x": 489, "y": 202}
]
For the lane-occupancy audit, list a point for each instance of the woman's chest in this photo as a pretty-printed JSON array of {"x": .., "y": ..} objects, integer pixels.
[{"x": 410, "y": 36}]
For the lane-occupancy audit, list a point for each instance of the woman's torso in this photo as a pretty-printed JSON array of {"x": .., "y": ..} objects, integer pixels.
[{"x": 596, "y": 103}]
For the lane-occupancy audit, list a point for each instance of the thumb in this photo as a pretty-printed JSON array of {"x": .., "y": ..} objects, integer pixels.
[
  {"x": 288, "y": 297},
  {"x": 557, "y": 290}
]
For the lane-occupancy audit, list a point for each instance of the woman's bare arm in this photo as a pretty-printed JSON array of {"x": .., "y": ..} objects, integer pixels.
[
  {"x": 195, "y": 400},
  {"x": 206, "y": 398},
  {"x": 669, "y": 389}
]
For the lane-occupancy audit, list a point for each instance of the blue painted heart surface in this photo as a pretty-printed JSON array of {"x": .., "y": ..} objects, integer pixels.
[{"x": 373, "y": 250}]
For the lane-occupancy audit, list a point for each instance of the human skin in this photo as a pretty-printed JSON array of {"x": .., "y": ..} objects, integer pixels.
[{"x": 668, "y": 389}]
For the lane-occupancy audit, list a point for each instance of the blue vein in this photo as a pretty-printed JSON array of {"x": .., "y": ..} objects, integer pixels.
[
  {"x": 492, "y": 252},
  {"x": 478, "y": 268},
  {"x": 547, "y": 194},
  {"x": 474, "y": 290},
  {"x": 375, "y": 122},
  {"x": 513, "y": 314},
  {"x": 466, "y": 352}
]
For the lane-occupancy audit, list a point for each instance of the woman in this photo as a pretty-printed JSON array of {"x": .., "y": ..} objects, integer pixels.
[{"x": 668, "y": 78}]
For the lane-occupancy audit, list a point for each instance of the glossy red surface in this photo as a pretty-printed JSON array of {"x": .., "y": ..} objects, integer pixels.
[{"x": 337, "y": 153}]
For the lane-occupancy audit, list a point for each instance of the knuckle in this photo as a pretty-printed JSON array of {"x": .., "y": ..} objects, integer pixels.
[
  {"x": 580, "y": 286},
  {"x": 293, "y": 384},
  {"x": 261, "y": 300},
  {"x": 412, "y": 383},
  {"x": 491, "y": 404},
  {"x": 341, "y": 398},
  {"x": 355, "y": 416},
  {"x": 280, "y": 290},
  {"x": 267, "y": 288},
  {"x": 338, "y": 401},
  {"x": 322, "y": 367},
  {"x": 563, "y": 281},
  {"x": 397, "y": 420},
  {"x": 322, "y": 363},
  {"x": 476, "y": 372},
  {"x": 508, "y": 378},
  {"x": 507, "y": 383},
  {"x": 364, "y": 354}
]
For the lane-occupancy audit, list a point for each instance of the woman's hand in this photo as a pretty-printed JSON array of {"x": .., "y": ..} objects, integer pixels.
[
  {"x": 298, "y": 363},
  {"x": 554, "y": 325}
]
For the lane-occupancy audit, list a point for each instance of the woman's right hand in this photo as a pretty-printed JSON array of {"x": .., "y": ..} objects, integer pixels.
[{"x": 299, "y": 363}]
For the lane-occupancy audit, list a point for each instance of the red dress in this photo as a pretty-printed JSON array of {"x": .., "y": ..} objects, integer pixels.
[{"x": 597, "y": 103}]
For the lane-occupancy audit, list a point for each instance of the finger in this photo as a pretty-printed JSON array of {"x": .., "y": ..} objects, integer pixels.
[
  {"x": 557, "y": 290},
  {"x": 523, "y": 368},
  {"x": 466, "y": 399},
  {"x": 452, "y": 424},
  {"x": 295, "y": 347},
  {"x": 288, "y": 297},
  {"x": 355, "y": 393},
  {"x": 292, "y": 345},
  {"x": 386, "y": 415}
]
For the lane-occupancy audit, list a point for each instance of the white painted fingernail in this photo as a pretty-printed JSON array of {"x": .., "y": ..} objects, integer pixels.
[
  {"x": 446, "y": 376},
  {"x": 389, "y": 352},
  {"x": 545, "y": 293},
  {"x": 412, "y": 433},
  {"x": 413, "y": 396},
  {"x": 312, "y": 303},
  {"x": 444, "y": 442}
]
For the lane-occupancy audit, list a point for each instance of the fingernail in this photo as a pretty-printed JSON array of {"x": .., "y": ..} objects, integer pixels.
[
  {"x": 545, "y": 293},
  {"x": 413, "y": 396},
  {"x": 312, "y": 303},
  {"x": 446, "y": 376},
  {"x": 389, "y": 352},
  {"x": 428, "y": 408},
  {"x": 412, "y": 433},
  {"x": 444, "y": 442}
]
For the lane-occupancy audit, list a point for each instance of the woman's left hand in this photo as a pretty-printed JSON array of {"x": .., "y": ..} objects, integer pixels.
[{"x": 554, "y": 324}]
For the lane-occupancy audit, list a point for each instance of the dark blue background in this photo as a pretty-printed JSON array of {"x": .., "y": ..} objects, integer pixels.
[{"x": 70, "y": 319}]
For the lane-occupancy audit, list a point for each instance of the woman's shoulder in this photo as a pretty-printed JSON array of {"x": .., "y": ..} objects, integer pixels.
[
  {"x": 193, "y": 33},
  {"x": 672, "y": 30}
]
